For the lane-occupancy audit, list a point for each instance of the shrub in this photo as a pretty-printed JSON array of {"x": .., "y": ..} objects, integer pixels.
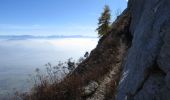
[{"x": 104, "y": 22}]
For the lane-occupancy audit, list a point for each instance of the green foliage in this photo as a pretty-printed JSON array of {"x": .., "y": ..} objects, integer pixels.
[{"x": 104, "y": 22}]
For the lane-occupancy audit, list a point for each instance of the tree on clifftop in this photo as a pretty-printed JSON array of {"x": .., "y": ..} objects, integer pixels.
[{"x": 104, "y": 22}]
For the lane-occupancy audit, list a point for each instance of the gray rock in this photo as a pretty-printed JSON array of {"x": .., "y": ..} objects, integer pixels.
[
  {"x": 150, "y": 27},
  {"x": 151, "y": 88},
  {"x": 167, "y": 80},
  {"x": 90, "y": 88}
]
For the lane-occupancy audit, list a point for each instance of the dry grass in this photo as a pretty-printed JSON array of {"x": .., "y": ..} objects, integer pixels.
[{"x": 99, "y": 63}]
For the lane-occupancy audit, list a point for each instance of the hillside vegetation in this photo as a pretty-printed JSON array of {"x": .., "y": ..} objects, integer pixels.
[{"x": 130, "y": 62}]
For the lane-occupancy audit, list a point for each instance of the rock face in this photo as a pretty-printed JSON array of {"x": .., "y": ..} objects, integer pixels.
[{"x": 146, "y": 70}]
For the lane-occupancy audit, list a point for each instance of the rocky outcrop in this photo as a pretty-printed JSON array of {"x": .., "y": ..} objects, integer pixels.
[{"x": 90, "y": 88}]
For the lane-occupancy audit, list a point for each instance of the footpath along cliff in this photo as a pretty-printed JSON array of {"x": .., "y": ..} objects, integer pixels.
[
  {"x": 137, "y": 53},
  {"x": 130, "y": 62}
]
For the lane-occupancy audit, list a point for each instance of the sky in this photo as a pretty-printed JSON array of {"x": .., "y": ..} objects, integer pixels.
[{"x": 54, "y": 17}]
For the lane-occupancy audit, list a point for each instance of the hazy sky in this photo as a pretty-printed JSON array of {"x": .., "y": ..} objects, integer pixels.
[{"x": 53, "y": 17}]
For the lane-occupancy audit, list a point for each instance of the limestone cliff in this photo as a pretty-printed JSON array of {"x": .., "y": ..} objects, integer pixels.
[{"x": 146, "y": 68}]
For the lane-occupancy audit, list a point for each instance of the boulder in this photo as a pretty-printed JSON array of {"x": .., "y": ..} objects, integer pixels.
[{"x": 90, "y": 88}]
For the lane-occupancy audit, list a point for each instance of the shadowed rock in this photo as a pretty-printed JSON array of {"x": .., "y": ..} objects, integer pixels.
[{"x": 150, "y": 27}]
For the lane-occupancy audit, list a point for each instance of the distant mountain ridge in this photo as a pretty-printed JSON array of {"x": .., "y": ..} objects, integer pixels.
[{"x": 42, "y": 37}]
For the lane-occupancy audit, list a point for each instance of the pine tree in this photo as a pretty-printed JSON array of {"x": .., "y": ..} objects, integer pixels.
[{"x": 104, "y": 22}]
